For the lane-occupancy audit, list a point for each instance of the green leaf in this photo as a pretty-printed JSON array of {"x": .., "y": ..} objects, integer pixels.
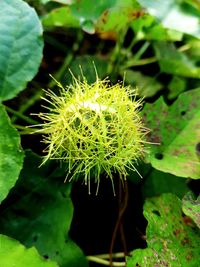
[
  {"x": 88, "y": 13},
  {"x": 11, "y": 155},
  {"x": 147, "y": 28},
  {"x": 87, "y": 62},
  {"x": 12, "y": 253},
  {"x": 170, "y": 241},
  {"x": 191, "y": 207},
  {"x": 176, "y": 131},
  {"x": 112, "y": 15},
  {"x": 175, "y": 62},
  {"x": 118, "y": 16},
  {"x": 41, "y": 213},
  {"x": 176, "y": 15},
  {"x": 146, "y": 86},
  {"x": 176, "y": 86},
  {"x": 158, "y": 182},
  {"x": 21, "y": 46},
  {"x": 60, "y": 17}
]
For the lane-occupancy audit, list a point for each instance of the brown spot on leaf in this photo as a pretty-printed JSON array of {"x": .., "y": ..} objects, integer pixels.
[
  {"x": 188, "y": 221},
  {"x": 189, "y": 256},
  {"x": 185, "y": 241},
  {"x": 137, "y": 14},
  {"x": 177, "y": 232}
]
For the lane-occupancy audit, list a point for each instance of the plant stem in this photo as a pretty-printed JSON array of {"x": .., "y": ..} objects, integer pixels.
[
  {"x": 28, "y": 104},
  {"x": 116, "y": 255},
  {"x": 135, "y": 61},
  {"x": 21, "y": 116},
  {"x": 122, "y": 207},
  {"x": 116, "y": 57},
  {"x": 67, "y": 61},
  {"x": 141, "y": 51},
  {"x": 24, "y": 129},
  {"x": 105, "y": 262}
]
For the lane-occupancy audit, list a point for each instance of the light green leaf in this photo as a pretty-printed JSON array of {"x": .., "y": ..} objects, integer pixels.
[
  {"x": 11, "y": 155},
  {"x": 170, "y": 241},
  {"x": 60, "y": 17},
  {"x": 21, "y": 46},
  {"x": 176, "y": 130},
  {"x": 118, "y": 16},
  {"x": 41, "y": 213},
  {"x": 103, "y": 16},
  {"x": 147, "y": 28},
  {"x": 175, "y": 62},
  {"x": 194, "y": 49},
  {"x": 13, "y": 254},
  {"x": 191, "y": 207},
  {"x": 112, "y": 15},
  {"x": 174, "y": 14},
  {"x": 88, "y": 13}
]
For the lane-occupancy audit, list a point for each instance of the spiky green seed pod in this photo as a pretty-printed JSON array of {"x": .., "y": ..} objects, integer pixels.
[{"x": 94, "y": 128}]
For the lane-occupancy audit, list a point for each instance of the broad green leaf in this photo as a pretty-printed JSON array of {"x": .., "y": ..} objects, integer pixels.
[
  {"x": 11, "y": 154},
  {"x": 176, "y": 86},
  {"x": 147, "y": 28},
  {"x": 157, "y": 183},
  {"x": 191, "y": 207},
  {"x": 194, "y": 49},
  {"x": 13, "y": 254},
  {"x": 170, "y": 241},
  {"x": 175, "y": 62},
  {"x": 21, "y": 46},
  {"x": 100, "y": 17},
  {"x": 41, "y": 213},
  {"x": 146, "y": 86},
  {"x": 118, "y": 16},
  {"x": 88, "y": 13},
  {"x": 174, "y": 14},
  {"x": 60, "y": 17},
  {"x": 111, "y": 15},
  {"x": 176, "y": 130}
]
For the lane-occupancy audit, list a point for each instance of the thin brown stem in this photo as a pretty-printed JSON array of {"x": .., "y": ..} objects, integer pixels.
[{"x": 123, "y": 202}]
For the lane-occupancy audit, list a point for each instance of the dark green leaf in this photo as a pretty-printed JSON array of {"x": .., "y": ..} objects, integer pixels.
[
  {"x": 191, "y": 207},
  {"x": 21, "y": 46},
  {"x": 176, "y": 86},
  {"x": 175, "y": 62},
  {"x": 12, "y": 253},
  {"x": 146, "y": 86},
  {"x": 158, "y": 182},
  {"x": 87, "y": 63},
  {"x": 176, "y": 130},
  {"x": 11, "y": 155},
  {"x": 41, "y": 213},
  {"x": 171, "y": 242}
]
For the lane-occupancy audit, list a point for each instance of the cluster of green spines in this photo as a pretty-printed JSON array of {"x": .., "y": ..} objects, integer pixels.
[{"x": 94, "y": 128}]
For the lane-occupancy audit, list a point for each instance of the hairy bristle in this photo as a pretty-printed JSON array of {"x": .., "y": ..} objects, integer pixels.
[{"x": 94, "y": 128}]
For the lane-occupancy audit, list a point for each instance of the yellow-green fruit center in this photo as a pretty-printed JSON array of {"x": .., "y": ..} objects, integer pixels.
[{"x": 94, "y": 128}]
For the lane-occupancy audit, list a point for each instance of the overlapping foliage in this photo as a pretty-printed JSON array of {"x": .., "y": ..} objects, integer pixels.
[{"x": 156, "y": 43}]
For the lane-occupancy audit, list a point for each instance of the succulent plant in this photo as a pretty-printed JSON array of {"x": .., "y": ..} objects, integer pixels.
[{"x": 94, "y": 129}]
